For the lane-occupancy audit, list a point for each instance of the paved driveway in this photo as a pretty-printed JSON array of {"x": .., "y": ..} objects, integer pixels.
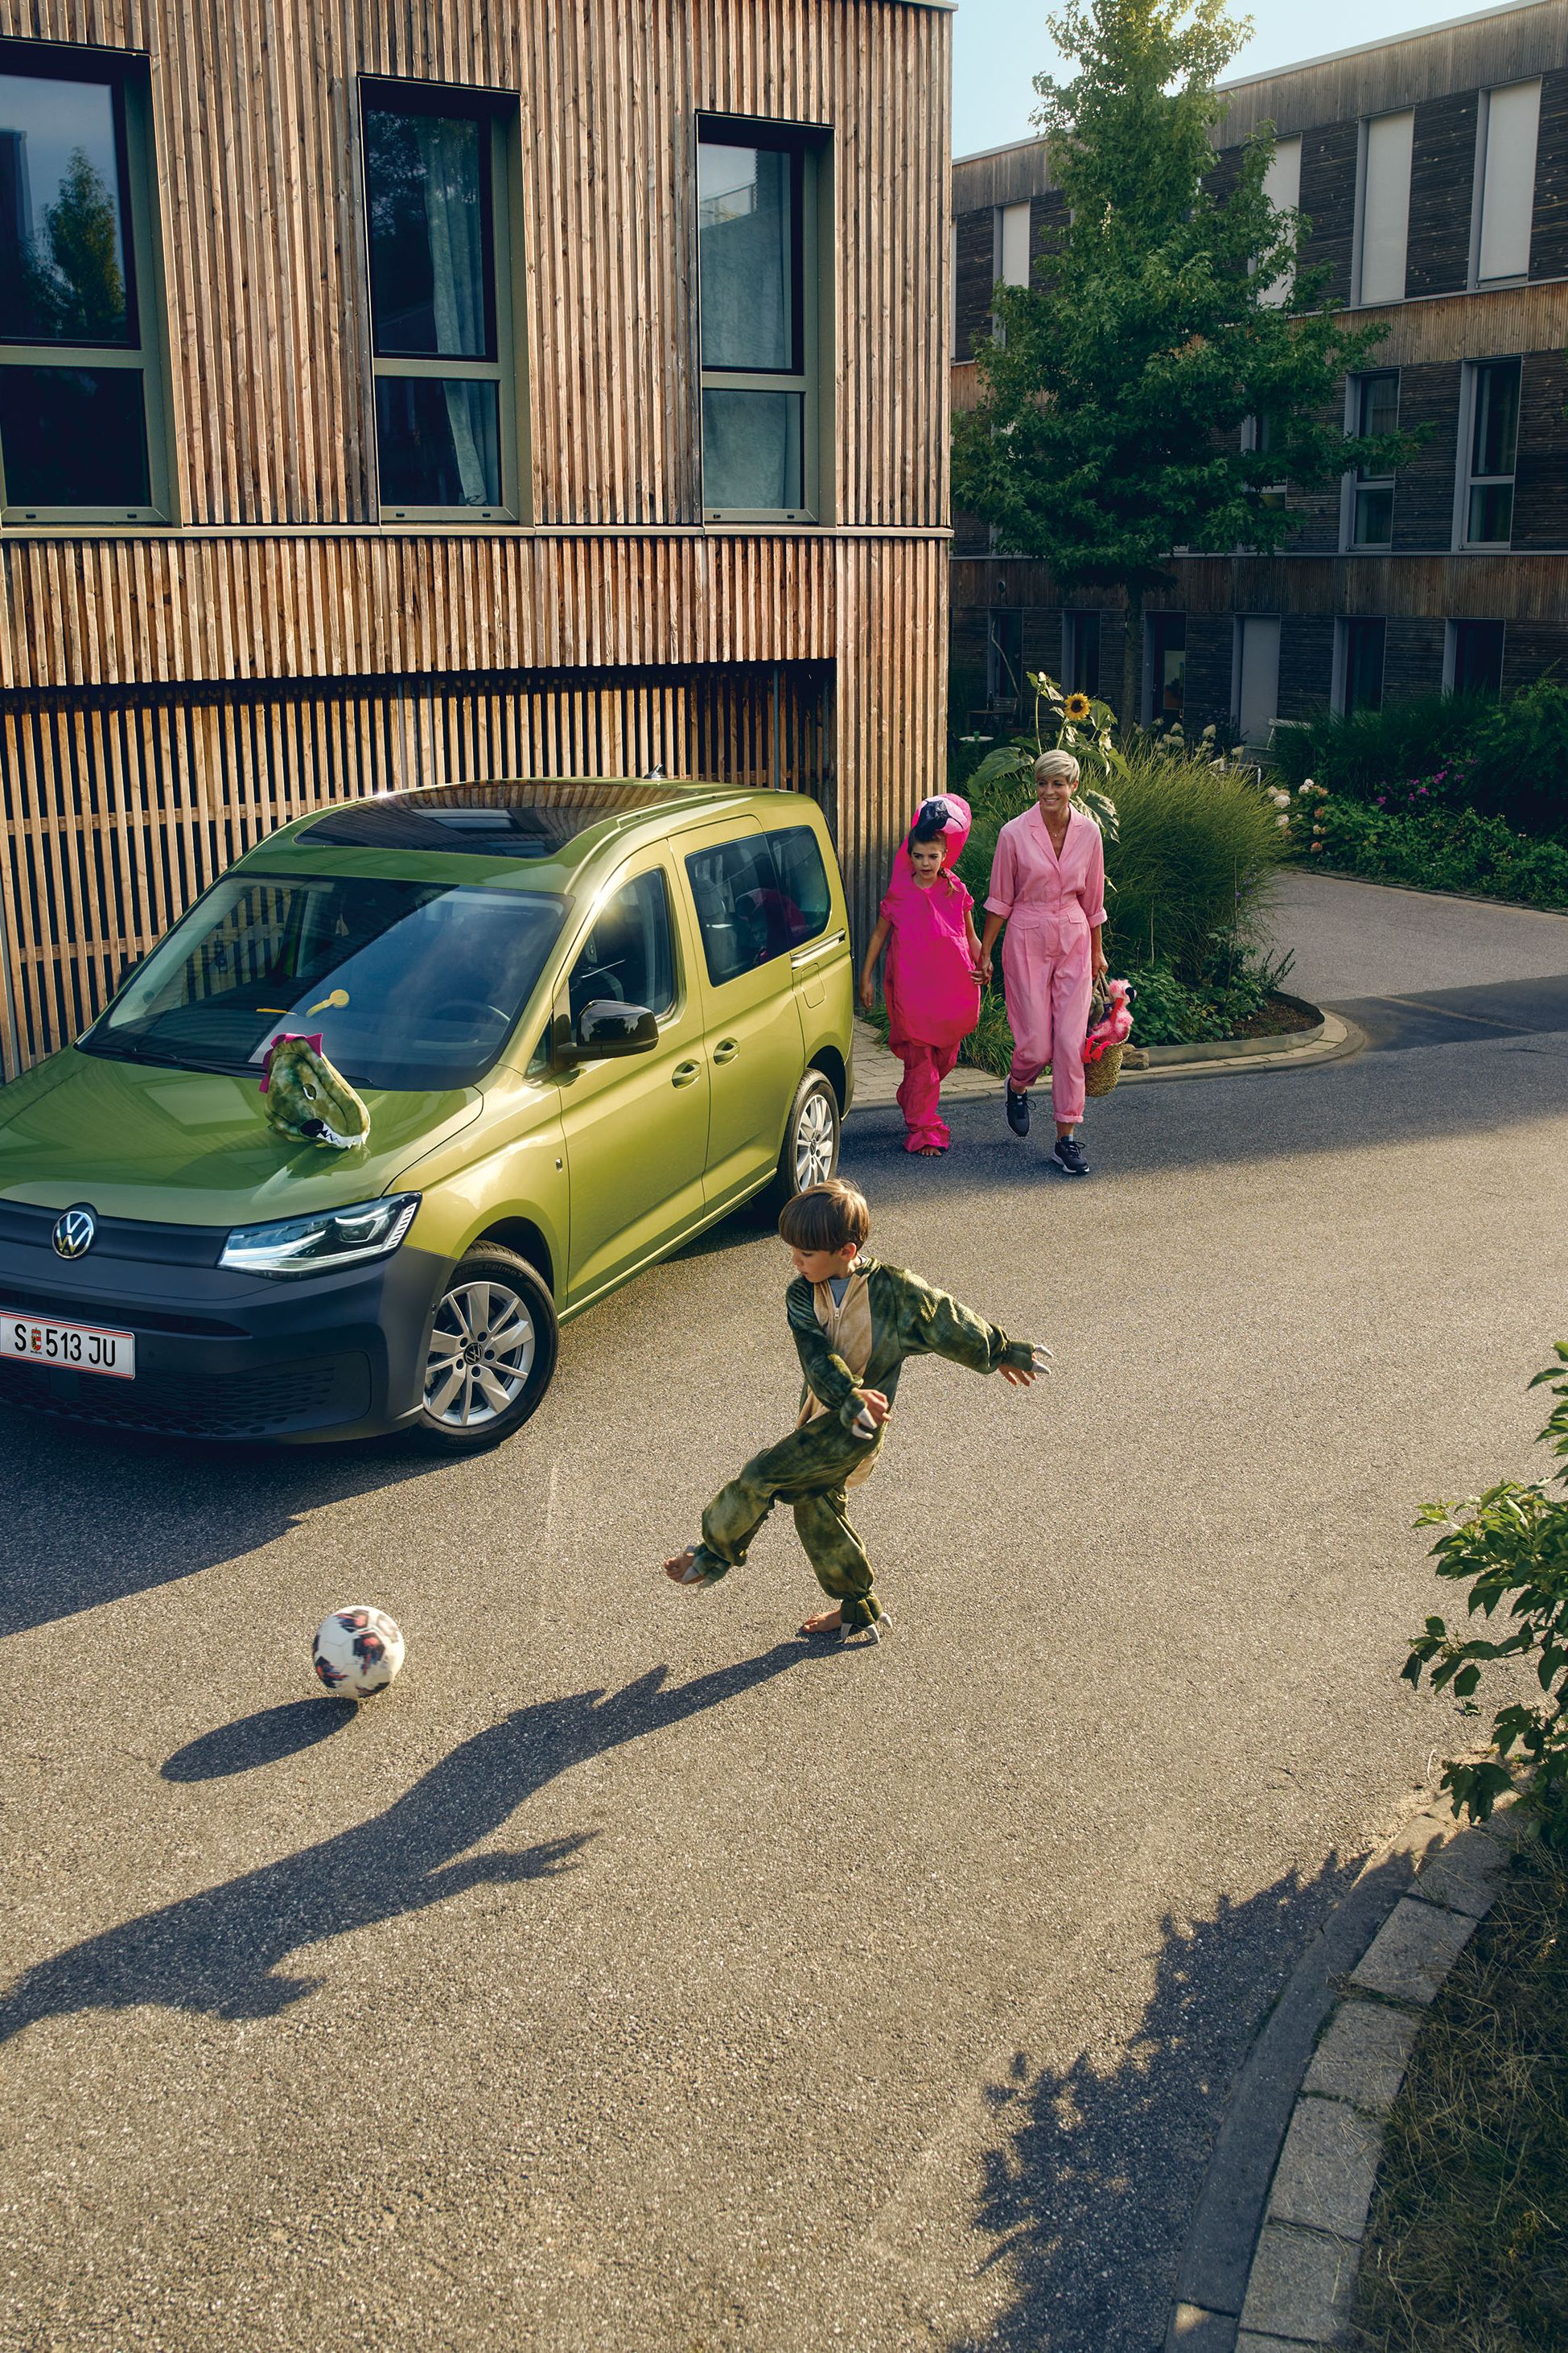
[{"x": 633, "y": 1976}]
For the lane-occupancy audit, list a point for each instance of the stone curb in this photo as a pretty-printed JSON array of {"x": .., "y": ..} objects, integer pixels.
[
  {"x": 878, "y": 1071},
  {"x": 1272, "y": 2255}
]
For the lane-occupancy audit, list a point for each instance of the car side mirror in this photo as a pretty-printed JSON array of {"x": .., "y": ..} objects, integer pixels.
[{"x": 606, "y": 1030}]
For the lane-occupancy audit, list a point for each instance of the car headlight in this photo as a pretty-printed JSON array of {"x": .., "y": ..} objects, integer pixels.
[{"x": 332, "y": 1239}]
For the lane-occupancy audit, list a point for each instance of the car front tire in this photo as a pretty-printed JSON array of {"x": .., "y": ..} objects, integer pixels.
[
  {"x": 491, "y": 1352},
  {"x": 810, "y": 1152}
]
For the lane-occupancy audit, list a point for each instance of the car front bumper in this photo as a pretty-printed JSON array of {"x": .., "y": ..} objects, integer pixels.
[{"x": 220, "y": 1354}]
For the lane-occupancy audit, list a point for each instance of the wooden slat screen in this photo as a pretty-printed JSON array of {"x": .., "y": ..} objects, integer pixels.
[{"x": 116, "y": 810}]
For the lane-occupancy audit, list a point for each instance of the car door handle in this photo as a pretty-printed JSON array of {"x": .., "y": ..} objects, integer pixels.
[
  {"x": 684, "y": 1073},
  {"x": 725, "y": 1050}
]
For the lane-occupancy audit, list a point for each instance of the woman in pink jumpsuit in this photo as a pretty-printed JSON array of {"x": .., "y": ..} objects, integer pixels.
[
  {"x": 1048, "y": 885},
  {"x": 929, "y": 983}
]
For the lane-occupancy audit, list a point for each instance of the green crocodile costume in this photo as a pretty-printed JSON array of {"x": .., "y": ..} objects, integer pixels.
[{"x": 859, "y": 1342}]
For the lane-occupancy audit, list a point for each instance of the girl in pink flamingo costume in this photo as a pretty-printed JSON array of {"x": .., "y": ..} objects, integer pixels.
[
  {"x": 927, "y": 923},
  {"x": 1048, "y": 885}
]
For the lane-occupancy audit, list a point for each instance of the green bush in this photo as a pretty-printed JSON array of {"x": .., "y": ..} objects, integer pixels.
[
  {"x": 1506, "y": 759},
  {"x": 1511, "y": 1545},
  {"x": 1193, "y": 868},
  {"x": 1432, "y": 849}
]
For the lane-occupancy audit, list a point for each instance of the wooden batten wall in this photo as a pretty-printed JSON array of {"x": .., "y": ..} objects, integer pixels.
[{"x": 277, "y": 585}]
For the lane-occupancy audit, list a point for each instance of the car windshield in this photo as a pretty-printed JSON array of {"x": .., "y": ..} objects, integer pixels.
[{"x": 412, "y": 985}]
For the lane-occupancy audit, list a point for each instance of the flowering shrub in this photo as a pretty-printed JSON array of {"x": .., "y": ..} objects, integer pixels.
[
  {"x": 1505, "y": 759},
  {"x": 1422, "y": 842}
]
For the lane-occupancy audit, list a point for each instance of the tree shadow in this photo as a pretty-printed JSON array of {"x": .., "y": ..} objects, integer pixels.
[
  {"x": 222, "y": 1951},
  {"x": 95, "y": 1514},
  {"x": 263, "y": 1739},
  {"x": 1097, "y": 2170}
]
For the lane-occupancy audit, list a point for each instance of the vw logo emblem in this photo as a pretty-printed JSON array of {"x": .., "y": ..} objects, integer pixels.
[{"x": 74, "y": 1231}]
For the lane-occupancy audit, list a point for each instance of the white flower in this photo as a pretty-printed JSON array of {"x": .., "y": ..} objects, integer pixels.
[
  {"x": 1284, "y": 821},
  {"x": 1307, "y": 787}
]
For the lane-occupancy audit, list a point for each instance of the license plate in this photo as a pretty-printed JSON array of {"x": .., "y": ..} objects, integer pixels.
[{"x": 69, "y": 1347}]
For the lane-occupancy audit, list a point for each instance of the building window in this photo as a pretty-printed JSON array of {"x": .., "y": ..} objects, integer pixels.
[
  {"x": 82, "y": 435},
  {"x": 438, "y": 218},
  {"x": 1487, "y": 519},
  {"x": 1255, "y": 684},
  {"x": 1167, "y": 666},
  {"x": 1505, "y": 182},
  {"x": 1374, "y": 410},
  {"x": 1013, "y": 243},
  {"x": 1385, "y": 209},
  {"x": 757, "y": 215},
  {"x": 1004, "y": 660},
  {"x": 1257, "y": 440},
  {"x": 1282, "y": 186},
  {"x": 1359, "y": 666},
  {"x": 1081, "y": 653},
  {"x": 1473, "y": 663}
]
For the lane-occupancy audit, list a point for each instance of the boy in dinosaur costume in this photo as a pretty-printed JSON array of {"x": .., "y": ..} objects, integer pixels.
[{"x": 854, "y": 1321}]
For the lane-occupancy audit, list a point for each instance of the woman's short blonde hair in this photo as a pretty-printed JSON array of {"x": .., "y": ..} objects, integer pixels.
[{"x": 1055, "y": 763}]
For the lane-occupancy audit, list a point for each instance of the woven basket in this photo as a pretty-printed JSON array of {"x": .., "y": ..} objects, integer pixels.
[{"x": 1099, "y": 1078}]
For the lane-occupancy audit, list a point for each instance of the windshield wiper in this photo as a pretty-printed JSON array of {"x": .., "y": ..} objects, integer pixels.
[{"x": 168, "y": 1058}]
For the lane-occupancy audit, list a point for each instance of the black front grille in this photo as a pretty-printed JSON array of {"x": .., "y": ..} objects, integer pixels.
[
  {"x": 144, "y": 1240},
  {"x": 315, "y": 1394}
]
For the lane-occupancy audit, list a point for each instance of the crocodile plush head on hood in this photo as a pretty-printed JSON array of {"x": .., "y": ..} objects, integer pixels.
[{"x": 306, "y": 1101}]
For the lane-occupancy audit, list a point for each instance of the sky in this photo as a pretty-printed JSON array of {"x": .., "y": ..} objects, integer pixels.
[{"x": 999, "y": 46}]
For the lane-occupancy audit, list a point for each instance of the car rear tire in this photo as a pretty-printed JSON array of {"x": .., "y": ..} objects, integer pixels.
[
  {"x": 490, "y": 1353},
  {"x": 810, "y": 1152}
]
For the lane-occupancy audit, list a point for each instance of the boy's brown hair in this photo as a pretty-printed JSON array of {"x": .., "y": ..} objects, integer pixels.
[{"x": 825, "y": 1217}]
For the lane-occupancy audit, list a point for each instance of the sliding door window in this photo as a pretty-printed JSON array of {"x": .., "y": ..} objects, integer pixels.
[
  {"x": 80, "y": 409},
  {"x": 439, "y": 232},
  {"x": 758, "y": 192}
]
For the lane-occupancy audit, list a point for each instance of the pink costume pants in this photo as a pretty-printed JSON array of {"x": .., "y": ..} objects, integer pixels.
[
  {"x": 920, "y": 1096},
  {"x": 1049, "y": 990}
]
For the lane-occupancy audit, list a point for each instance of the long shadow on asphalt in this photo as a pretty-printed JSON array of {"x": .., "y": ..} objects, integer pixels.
[
  {"x": 1091, "y": 2187},
  {"x": 221, "y": 1952}
]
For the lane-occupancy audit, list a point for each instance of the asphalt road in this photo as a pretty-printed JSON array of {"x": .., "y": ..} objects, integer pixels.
[{"x": 633, "y": 1976}]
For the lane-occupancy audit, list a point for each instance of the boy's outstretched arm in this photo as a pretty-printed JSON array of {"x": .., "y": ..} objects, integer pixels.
[{"x": 939, "y": 1325}]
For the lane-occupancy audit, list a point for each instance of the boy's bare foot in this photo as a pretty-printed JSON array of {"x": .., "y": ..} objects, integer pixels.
[{"x": 827, "y": 1621}]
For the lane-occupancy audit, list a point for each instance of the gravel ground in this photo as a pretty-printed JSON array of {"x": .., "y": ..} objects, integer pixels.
[{"x": 632, "y": 1975}]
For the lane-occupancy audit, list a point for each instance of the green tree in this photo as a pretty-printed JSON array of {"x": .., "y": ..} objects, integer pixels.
[
  {"x": 89, "y": 285},
  {"x": 1110, "y": 428}
]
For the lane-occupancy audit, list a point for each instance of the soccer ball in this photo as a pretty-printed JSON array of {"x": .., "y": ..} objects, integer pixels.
[{"x": 357, "y": 1650}]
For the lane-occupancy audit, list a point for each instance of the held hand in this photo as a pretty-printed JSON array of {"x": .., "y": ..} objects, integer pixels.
[
  {"x": 1098, "y": 966},
  {"x": 982, "y": 972}
]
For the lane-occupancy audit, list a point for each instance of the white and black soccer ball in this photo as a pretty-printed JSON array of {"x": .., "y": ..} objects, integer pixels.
[{"x": 357, "y": 1650}]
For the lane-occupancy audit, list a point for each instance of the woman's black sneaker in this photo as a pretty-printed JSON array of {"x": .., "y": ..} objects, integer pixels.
[
  {"x": 1068, "y": 1156},
  {"x": 1018, "y": 1110}
]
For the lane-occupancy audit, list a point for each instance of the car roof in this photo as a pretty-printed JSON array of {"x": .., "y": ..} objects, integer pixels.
[{"x": 532, "y": 833}]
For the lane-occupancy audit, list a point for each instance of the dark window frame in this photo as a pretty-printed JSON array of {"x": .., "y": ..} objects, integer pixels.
[
  {"x": 141, "y": 351},
  {"x": 497, "y": 112},
  {"x": 811, "y": 308},
  {"x": 1472, "y": 412},
  {"x": 1360, "y": 484}
]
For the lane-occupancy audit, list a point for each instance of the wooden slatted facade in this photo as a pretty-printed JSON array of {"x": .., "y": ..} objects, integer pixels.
[{"x": 169, "y": 693}]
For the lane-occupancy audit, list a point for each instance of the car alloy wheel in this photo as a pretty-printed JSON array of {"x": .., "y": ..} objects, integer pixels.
[
  {"x": 490, "y": 1352},
  {"x": 816, "y": 1140},
  {"x": 481, "y": 1353}
]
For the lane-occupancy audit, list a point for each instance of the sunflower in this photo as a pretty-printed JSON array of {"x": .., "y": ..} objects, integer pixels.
[{"x": 1078, "y": 707}]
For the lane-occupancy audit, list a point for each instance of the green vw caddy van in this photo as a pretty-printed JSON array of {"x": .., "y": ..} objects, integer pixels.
[{"x": 586, "y": 1019}]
